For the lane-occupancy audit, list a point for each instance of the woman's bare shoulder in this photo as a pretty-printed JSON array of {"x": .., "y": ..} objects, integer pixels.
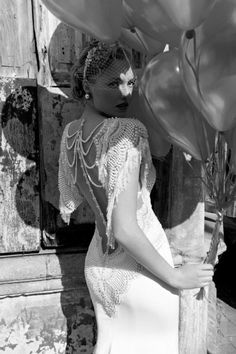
[
  {"x": 73, "y": 126},
  {"x": 132, "y": 126}
]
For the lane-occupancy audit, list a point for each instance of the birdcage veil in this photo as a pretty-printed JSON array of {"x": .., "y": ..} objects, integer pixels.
[{"x": 95, "y": 59}]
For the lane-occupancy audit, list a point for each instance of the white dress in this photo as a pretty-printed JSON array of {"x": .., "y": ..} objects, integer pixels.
[{"x": 136, "y": 313}]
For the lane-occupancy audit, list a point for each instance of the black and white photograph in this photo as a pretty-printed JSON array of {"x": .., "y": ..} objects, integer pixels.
[{"x": 117, "y": 176}]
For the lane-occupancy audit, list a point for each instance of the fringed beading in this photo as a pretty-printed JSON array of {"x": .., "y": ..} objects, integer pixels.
[{"x": 70, "y": 196}]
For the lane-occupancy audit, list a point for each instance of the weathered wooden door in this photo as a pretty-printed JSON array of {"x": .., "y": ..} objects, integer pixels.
[
  {"x": 19, "y": 144},
  {"x": 37, "y": 52}
]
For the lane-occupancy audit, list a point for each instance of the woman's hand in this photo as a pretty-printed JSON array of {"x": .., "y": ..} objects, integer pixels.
[{"x": 190, "y": 276}]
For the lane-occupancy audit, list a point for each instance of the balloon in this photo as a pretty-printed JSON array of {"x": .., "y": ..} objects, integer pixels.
[
  {"x": 163, "y": 88},
  {"x": 139, "y": 109},
  {"x": 149, "y": 17},
  {"x": 208, "y": 64},
  {"x": 99, "y": 18},
  {"x": 141, "y": 42},
  {"x": 187, "y": 14}
]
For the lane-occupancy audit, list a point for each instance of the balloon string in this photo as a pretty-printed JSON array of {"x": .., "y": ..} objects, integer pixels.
[
  {"x": 149, "y": 106},
  {"x": 211, "y": 172},
  {"x": 211, "y": 256},
  {"x": 230, "y": 184},
  {"x": 218, "y": 174},
  {"x": 195, "y": 67},
  {"x": 206, "y": 137},
  {"x": 200, "y": 147},
  {"x": 140, "y": 39},
  {"x": 222, "y": 166}
]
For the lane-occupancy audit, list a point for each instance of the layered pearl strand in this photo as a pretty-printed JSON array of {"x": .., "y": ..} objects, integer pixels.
[
  {"x": 84, "y": 153},
  {"x": 78, "y": 148}
]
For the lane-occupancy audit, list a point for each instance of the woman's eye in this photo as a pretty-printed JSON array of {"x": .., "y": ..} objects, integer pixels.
[
  {"x": 132, "y": 82},
  {"x": 115, "y": 83}
]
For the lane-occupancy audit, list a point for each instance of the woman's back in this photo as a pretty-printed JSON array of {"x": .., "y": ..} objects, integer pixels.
[{"x": 100, "y": 161}]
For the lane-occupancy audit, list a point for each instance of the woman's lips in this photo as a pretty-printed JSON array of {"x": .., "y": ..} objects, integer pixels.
[{"x": 123, "y": 106}]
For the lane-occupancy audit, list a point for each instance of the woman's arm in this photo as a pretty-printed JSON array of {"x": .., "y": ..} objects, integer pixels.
[{"x": 131, "y": 237}]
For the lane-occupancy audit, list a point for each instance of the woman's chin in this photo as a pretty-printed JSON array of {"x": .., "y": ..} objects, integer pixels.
[{"x": 120, "y": 113}]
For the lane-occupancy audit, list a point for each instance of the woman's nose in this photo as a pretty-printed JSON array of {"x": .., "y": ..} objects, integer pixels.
[{"x": 126, "y": 90}]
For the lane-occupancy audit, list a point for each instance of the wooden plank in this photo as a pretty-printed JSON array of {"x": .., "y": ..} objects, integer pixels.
[
  {"x": 45, "y": 25},
  {"x": 17, "y": 46},
  {"x": 58, "y": 45},
  {"x": 197, "y": 328},
  {"x": 41, "y": 272},
  {"x": 186, "y": 210},
  {"x": 19, "y": 167}
]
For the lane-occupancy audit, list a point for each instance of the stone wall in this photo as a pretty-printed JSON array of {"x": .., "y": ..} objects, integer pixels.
[{"x": 44, "y": 305}]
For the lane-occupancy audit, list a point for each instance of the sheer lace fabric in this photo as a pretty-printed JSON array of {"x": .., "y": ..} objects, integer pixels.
[
  {"x": 70, "y": 196},
  {"x": 122, "y": 148},
  {"x": 121, "y": 145}
]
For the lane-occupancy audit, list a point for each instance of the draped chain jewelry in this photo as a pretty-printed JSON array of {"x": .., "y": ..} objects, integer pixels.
[
  {"x": 78, "y": 152},
  {"x": 84, "y": 153},
  {"x": 78, "y": 148}
]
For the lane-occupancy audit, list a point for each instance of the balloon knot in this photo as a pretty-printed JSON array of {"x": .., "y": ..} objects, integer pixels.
[{"x": 190, "y": 34}]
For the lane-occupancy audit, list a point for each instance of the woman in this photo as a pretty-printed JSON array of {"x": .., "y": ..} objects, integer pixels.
[{"x": 105, "y": 158}]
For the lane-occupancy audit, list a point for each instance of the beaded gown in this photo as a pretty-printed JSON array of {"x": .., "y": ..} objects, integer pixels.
[{"x": 136, "y": 313}]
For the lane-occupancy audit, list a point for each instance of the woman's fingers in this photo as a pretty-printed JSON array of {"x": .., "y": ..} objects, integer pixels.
[
  {"x": 196, "y": 275},
  {"x": 204, "y": 284},
  {"x": 207, "y": 270},
  {"x": 206, "y": 279},
  {"x": 207, "y": 273},
  {"x": 206, "y": 266}
]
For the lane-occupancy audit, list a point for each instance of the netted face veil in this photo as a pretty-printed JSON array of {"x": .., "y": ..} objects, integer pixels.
[{"x": 99, "y": 58}]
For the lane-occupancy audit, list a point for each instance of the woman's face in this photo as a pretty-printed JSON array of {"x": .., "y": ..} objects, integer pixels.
[{"x": 112, "y": 91}]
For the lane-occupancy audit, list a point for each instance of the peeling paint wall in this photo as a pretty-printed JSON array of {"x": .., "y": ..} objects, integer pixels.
[
  {"x": 41, "y": 324},
  {"x": 19, "y": 166}
]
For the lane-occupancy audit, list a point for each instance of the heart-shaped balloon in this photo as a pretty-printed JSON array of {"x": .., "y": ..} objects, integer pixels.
[
  {"x": 187, "y": 14},
  {"x": 149, "y": 17},
  {"x": 208, "y": 64},
  {"x": 101, "y": 19},
  {"x": 141, "y": 42},
  {"x": 140, "y": 109},
  {"x": 172, "y": 108}
]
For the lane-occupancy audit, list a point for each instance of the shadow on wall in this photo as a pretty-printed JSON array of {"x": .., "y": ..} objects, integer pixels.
[
  {"x": 20, "y": 127},
  {"x": 19, "y": 154}
]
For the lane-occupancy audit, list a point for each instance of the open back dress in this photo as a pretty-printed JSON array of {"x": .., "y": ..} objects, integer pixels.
[{"x": 136, "y": 312}]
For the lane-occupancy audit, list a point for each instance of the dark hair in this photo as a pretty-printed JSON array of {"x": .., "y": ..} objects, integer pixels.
[
  {"x": 77, "y": 73},
  {"x": 109, "y": 53}
]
